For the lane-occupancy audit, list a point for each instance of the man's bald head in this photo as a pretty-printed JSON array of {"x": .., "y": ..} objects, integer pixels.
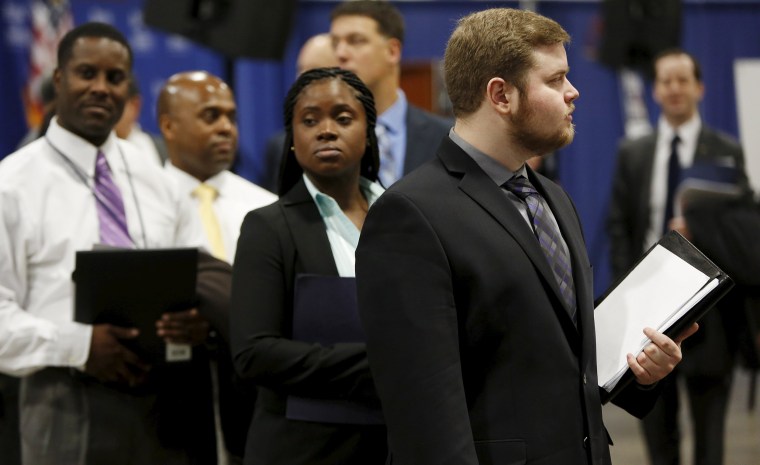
[
  {"x": 317, "y": 52},
  {"x": 197, "y": 117},
  {"x": 188, "y": 84}
]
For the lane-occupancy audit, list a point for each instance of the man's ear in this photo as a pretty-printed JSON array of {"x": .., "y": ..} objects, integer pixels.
[
  {"x": 394, "y": 50},
  {"x": 57, "y": 81},
  {"x": 166, "y": 126},
  {"x": 501, "y": 95}
]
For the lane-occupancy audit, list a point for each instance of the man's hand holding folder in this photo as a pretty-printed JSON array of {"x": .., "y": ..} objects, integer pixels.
[
  {"x": 183, "y": 327},
  {"x": 670, "y": 288},
  {"x": 142, "y": 307},
  {"x": 659, "y": 357},
  {"x": 110, "y": 360}
]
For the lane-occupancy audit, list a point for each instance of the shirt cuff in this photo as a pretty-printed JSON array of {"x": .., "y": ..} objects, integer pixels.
[{"x": 74, "y": 344}]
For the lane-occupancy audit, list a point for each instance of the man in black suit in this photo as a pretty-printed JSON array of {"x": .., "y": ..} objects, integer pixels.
[
  {"x": 368, "y": 38},
  {"x": 640, "y": 214},
  {"x": 483, "y": 352}
]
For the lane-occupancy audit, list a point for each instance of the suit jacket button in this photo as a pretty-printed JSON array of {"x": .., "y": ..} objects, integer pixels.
[
  {"x": 585, "y": 442},
  {"x": 584, "y": 378}
]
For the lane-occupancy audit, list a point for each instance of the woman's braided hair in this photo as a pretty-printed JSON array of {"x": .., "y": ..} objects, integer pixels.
[{"x": 290, "y": 170}]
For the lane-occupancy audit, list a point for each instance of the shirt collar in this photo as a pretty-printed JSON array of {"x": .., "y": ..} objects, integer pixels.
[
  {"x": 78, "y": 150},
  {"x": 188, "y": 183},
  {"x": 328, "y": 206},
  {"x": 688, "y": 131},
  {"x": 393, "y": 118},
  {"x": 495, "y": 170}
]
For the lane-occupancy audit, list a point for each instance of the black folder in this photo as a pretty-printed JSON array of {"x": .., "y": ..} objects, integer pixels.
[
  {"x": 133, "y": 288},
  {"x": 680, "y": 248},
  {"x": 325, "y": 312}
]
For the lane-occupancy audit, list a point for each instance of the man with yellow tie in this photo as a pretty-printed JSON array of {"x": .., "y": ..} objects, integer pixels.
[{"x": 197, "y": 117}]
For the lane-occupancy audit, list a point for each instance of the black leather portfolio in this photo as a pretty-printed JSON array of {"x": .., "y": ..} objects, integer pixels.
[
  {"x": 671, "y": 286},
  {"x": 133, "y": 288}
]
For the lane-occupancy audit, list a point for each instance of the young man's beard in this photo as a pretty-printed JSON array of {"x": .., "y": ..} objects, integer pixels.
[{"x": 528, "y": 133}]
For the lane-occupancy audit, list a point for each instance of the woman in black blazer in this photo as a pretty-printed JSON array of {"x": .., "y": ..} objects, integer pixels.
[{"x": 326, "y": 186}]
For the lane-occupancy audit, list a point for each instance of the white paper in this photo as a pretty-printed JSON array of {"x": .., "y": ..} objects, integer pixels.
[{"x": 661, "y": 288}]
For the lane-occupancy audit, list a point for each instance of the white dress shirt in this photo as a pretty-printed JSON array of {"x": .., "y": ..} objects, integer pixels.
[
  {"x": 237, "y": 197},
  {"x": 145, "y": 143},
  {"x": 688, "y": 133},
  {"x": 47, "y": 213},
  {"x": 391, "y": 126}
]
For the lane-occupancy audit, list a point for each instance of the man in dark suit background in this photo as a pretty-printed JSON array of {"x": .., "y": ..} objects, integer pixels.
[
  {"x": 482, "y": 351},
  {"x": 368, "y": 38},
  {"x": 640, "y": 213}
]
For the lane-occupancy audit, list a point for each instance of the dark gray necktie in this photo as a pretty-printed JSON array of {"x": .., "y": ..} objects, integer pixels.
[
  {"x": 548, "y": 236},
  {"x": 674, "y": 175}
]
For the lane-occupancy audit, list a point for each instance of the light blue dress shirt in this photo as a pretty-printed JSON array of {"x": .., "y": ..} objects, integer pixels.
[
  {"x": 341, "y": 232},
  {"x": 393, "y": 121}
]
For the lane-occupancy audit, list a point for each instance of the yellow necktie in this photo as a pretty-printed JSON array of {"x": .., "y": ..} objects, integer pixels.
[{"x": 206, "y": 195}]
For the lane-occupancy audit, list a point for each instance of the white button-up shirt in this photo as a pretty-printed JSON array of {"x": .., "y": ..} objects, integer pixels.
[
  {"x": 237, "y": 197},
  {"x": 47, "y": 213}
]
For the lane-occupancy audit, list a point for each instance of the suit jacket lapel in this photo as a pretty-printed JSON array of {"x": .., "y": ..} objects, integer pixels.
[
  {"x": 308, "y": 231},
  {"x": 477, "y": 185},
  {"x": 415, "y": 141},
  {"x": 564, "y": 213}
]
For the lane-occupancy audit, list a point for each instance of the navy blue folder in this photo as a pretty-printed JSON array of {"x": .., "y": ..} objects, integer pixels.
[{"x": 325, "y": 312}]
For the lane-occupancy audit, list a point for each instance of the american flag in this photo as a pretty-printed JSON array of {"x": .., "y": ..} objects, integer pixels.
[{"x": 50, "y": 20}]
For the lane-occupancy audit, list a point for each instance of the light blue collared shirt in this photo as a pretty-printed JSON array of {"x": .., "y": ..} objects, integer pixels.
[
  {"x": 341, "y": 232},
  {"x": 394, "y": 121}
]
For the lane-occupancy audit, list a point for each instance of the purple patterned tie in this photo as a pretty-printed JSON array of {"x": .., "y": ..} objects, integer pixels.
[
  {"x": 113, "y": 220},
  {"x": 549, "y": 237}
]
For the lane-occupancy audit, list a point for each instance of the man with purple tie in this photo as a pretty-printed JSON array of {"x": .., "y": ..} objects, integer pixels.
[{"x": 76, "y": 187}]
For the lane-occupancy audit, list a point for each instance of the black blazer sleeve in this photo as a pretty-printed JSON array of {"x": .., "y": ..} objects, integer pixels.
[
  {"x": 424, "y": 133},
  {"x": 627, "y": 220},
  {"x": 266, "y": 264},
  {"x": 410, "y": 319},
  {"x": 270, "y": 176}
]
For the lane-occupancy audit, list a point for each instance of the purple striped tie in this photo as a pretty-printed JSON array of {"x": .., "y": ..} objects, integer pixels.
[
  {"x": 549, "y": 237},
  {"x": 113, "y": 220}
]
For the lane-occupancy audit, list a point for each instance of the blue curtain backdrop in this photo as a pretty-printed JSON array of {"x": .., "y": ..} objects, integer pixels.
[{"x": 717, "y": 32}]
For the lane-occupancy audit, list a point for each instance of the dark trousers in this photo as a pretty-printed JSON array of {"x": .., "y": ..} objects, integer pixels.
[
  {"x": 69, "y": 419},
  {"x": 708, "y": 401},
  {"x": 10, "y": 444}
]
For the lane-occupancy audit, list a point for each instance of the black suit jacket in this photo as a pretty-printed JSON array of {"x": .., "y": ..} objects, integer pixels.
[
  {"x": 709, "y": 351},
  {"x": 424, "y": 132},
  {"x": 475, "y": 357},
  {"x": 277, "y": 243},
  {"x": 629, "y": 213}
]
